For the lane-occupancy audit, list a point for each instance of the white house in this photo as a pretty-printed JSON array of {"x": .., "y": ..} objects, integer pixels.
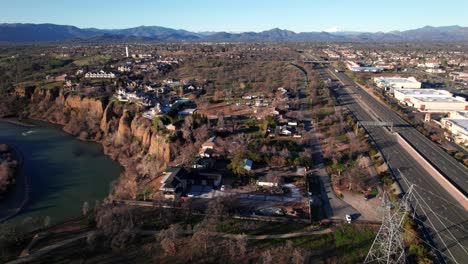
[
  {"x": 100, "y": 75},
  {"x": 152, "y": 112}
]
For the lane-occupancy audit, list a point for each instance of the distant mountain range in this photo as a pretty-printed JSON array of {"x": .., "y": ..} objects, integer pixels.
[{"x": 51, "y": 33}]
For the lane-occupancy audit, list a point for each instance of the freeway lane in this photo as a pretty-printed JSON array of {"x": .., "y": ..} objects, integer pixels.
[
  {"x": 454, "y": 171},
  {"x": 446, "y": 222}
]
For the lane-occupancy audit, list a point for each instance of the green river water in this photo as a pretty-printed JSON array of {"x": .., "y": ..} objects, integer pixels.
[{"x": 58, "y": 172}]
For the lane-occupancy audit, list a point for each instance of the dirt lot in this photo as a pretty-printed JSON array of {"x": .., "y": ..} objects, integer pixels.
[{"x": 370, "y": 209}]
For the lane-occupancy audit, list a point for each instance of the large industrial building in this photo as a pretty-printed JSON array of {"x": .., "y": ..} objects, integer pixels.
[
  {"x": 459, "y": 76},
  {"x": 457, "y": 126},
  {"x": 405, "y": 95},
  {"x": 352, "y": 66},
  {"x": 431, "y": 100},
  {"x": 438, "y": 104},
  {"x": 392, "y": 83}
]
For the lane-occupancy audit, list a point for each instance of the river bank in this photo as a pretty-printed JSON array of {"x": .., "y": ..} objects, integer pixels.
[
  {"x": 17, "y": 122},
  {"x": 58, "y": 175},
  {"x": 120, "y": 129},
  {"x": 21, "y": 181},
  {"x": 8, "y": 168}
]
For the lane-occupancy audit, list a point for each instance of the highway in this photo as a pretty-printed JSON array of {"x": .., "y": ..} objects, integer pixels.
[
  {"x": 455, "y": 172},
  {"x": 445, "y": 222}
]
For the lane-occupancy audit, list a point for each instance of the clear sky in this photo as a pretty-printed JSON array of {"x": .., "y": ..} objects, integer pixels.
[{"x": 240, "y": 15}]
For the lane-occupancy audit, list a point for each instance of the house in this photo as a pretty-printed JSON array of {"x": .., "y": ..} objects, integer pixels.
[
  {"x": 207, "y": 148},
  {"x": 206, "y": 152},
  {"x": 301, "y": 171},
  {"x": 204, "y": 163},
  {"x": 248, "y": 164},
  {"x": 124, "y": 69},
  {"x": 171, "y": 127},
  {"x": 286, "y": 132},
  {"x": 187, "y": 111},
  {"x": 177, "y": 181},
  {"x": 269, "y": 181},
  {"x": 173, "y": 182},
  {"x": 209, "y": 144},
  {"x": 152, "y": 112},
  {"x": 100, "y": 75},
  {"x": 121, "y": 95}
]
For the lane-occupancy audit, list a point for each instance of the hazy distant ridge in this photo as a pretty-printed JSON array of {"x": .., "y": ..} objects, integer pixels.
[{"x": 51, "y": 32}]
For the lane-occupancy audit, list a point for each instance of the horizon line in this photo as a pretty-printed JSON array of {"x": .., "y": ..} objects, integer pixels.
[{"x": 231, "y": 31}]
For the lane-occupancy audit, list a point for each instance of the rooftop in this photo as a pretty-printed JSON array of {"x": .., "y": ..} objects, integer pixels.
[
  {"x": 463, "y": 113},
  {"x": 398, "y": 79},
  {"x": 423, "y": 92},
  {"x": 440, "y": 99},
  {"x": 460, "y": 122}
]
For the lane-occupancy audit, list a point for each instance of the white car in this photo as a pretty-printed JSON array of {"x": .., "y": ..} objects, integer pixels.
[
  {"x": 222, "y": 188},
  {"x": 348, "y": 219}
]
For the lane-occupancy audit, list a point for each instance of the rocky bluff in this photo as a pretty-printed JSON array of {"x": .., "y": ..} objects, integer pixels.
[{"x": 125, "y": 135}]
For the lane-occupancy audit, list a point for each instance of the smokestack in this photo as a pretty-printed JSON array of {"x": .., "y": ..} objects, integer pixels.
[{"x": 126, "y": 52}]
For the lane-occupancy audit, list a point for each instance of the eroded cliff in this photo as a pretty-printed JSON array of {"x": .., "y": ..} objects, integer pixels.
[{"x": 125, "y": 135}]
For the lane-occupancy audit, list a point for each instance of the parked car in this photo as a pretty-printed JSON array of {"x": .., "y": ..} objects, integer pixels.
[
  {"x": 222, "y": 188},
  {"x": 348, "y": 219},
  {"x": 367, "y": 196}
]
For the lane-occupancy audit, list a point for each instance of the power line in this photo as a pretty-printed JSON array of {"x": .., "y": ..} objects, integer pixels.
[{"x": 388, "y": 246}]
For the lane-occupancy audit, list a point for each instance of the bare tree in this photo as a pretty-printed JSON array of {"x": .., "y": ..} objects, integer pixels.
[
  {"x": 220, "y": 124},
  {"x": 169, "y": 247},
  {"x": 267, "y": 257},
  {"x": 85, "y": 209},
  {"x": 116, "y": 223}
]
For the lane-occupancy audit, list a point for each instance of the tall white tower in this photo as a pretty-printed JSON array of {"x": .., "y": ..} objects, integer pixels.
[{"x": 126, "y": 51}]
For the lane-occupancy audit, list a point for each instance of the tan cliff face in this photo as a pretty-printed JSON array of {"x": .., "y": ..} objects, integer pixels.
[
  {"x": 90, "y": 119},
  {"x": 141, "y": 129},
  {"x": 124, "y": 134}
]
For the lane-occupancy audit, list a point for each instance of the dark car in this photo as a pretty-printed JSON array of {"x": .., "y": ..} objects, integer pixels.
[{"x": 367, "y": 196}]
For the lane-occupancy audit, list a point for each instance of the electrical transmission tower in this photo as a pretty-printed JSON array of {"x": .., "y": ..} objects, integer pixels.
[{"x": 388, "y": 246}]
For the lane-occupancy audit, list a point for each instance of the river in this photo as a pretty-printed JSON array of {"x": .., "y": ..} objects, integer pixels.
[{"x": 60, "y": 171}]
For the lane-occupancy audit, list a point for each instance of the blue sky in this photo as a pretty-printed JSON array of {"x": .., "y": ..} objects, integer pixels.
[{"x": 240, "y": 15}]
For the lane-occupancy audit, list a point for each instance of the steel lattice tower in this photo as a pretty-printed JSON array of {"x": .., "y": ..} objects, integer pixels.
[{"x": 388, "y": 246}]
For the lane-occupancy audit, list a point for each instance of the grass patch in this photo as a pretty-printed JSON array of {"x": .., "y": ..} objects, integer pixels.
[
  {"x": 354, "y": 242},
  {"x": 254, "y": 228},
  {"x": 51, "y": 85},
  {"x": 342, "y": 138},
  {"x": 315, "y": 242},
  {"x": 326, "y": 111},
  {"x": 84, "y": 61}
]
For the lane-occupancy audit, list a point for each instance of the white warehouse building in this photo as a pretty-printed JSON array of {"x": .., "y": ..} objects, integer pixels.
[
  {"x": 392, "y": 83},
  {"x": 438, "y": 104},
  {"x": 405, "y": 95},
  {"x": 457, "y": 125}
]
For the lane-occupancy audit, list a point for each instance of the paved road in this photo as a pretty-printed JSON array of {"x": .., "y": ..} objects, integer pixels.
[
  {"x": 446, "y": 221},
  {"x": 334, "y": 206},
  {"x": 452, "y": 169}
]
